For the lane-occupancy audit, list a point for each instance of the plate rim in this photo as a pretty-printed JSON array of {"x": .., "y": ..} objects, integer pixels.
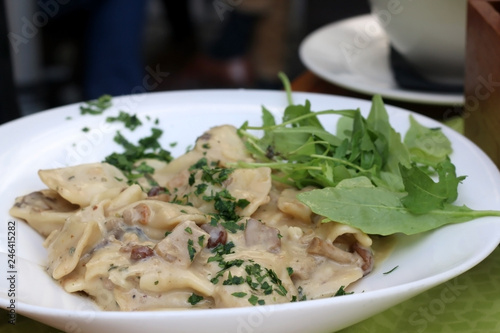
[{"x": 394, "y": 93}]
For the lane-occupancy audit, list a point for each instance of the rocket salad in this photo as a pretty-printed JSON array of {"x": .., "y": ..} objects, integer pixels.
[{"x": 367, "y": 175}]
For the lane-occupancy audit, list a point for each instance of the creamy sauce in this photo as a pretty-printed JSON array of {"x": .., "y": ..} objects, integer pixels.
[{"x": 132, "y": 252}]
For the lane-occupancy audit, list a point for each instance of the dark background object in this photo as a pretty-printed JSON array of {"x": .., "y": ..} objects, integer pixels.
[
  {"x": 9, "y": 105},
  {"x": 482, "y": 81}
]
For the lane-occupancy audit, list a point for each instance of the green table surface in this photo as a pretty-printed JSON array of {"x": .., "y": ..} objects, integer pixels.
[{"x": 468, "y": 303}]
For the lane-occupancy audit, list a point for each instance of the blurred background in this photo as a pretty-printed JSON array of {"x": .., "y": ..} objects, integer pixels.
[{"x": 56, "y": 52}]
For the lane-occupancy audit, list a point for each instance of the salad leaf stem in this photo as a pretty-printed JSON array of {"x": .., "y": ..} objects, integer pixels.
[
  {"x": 347, "y": 113},
  {"x": 341, "y": 161},
  {"x": 287, "y": 86}
]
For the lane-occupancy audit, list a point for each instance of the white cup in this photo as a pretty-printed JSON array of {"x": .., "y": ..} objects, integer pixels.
[{"x": 429, "y": 34}]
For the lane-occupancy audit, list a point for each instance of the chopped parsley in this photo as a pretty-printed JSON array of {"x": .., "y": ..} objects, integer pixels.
[
  {"x": 147, "y": 147},
  {"x": 233, "y": 280},
  {"x": 130, "y": 121},
  {"x": 219, "y": 251},
  {"x": 200, "y": 189},
  {"x": 85, "y": 129},
  {"x": 194, "y": 299},
  {"x": 260, "y": 279},
  {"x": 97, "y": 106},
  {"x": 201, "y": 239},
  {"x": 224, "y": 203},
  {"x": 254, "y": 300},
  {"x": 300, "y": 297},
  {"x": 342, "y": 292},
  {"x": 209, "y": 173},
  {"x": 392, "y": 270},
  {"x": 191, "y": 249}
]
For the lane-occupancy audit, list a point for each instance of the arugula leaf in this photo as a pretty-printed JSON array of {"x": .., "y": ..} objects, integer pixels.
[
  {"x": 427, "y": 146},
  {"x": 300, "y": 151},
  {"x": 424, "y": 194},
  {"x": 446, "y": 172},
  {"x": 376, "y": 210},
  {"x": 265, "y": 143},
  {"x": 363, "y": 150},
  {"x": 388, "y": 142},
  {"x": 293, "y": 112}
]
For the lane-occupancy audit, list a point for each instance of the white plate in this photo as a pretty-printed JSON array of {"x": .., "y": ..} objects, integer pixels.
[
  {"x": 354, "y": 54},
  {"x": 48, "y": 139}
]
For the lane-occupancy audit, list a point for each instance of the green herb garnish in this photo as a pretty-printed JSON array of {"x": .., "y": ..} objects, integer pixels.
[
  {"x": 130, "y": 121},
  {"x": 147, "y": 147},
  {"x": 342, "y": 292},
  {"x": 194, "y": 299},
  {"x": 390, "y": 271},
  {"x": 96, "y": 107},
  {"x": 191, "y": 249},
  {"x": 201, "y": 240},
  {"x": 253, "y": 300}
]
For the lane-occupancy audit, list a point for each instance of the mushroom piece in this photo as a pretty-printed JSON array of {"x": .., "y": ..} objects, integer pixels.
[
  {"x": 139, "y": 214},
  {"x": 367, "y": 255},
  {"x": 183, "y": 244},
  {"x": 218, "y": 235},
  {"x": 259, "y": 234},
  {"x": 138, "y": 252},
  {"x": 330, "y": 251}
]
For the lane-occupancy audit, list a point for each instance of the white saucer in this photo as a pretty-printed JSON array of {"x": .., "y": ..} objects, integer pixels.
[{"x": 354, "y": 54}]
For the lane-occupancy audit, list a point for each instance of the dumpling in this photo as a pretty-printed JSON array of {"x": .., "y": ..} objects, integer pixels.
[
  {"x": 45, "y": 210},
  {"x": 86, "y": 183}
]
